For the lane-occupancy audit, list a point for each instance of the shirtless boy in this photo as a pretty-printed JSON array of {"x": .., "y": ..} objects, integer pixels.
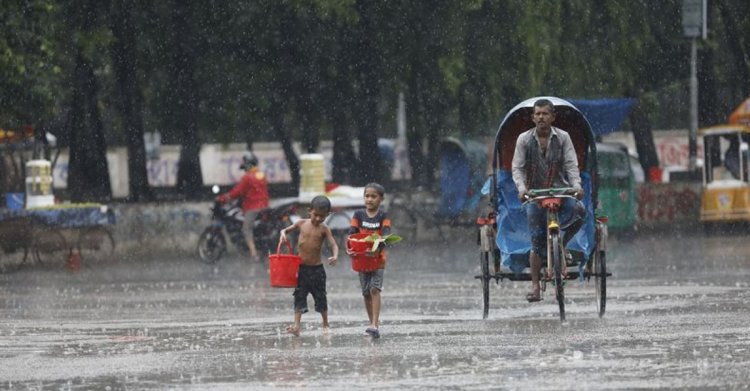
[{"x": 312, "y": 275}]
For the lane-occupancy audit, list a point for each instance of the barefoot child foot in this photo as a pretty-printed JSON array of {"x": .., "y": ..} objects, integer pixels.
[{"x": 294, "y": 330}]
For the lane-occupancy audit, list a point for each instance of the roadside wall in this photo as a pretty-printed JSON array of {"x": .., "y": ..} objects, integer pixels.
[
  {"x": 675, "y": 204},
  {"x": 163, "y": 229},
  {"x": 173, "y": 228}
]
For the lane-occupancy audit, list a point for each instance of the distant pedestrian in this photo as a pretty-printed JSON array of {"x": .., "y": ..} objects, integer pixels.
[
  {"x": 312, "y": 275},
  {"x": 372, "y": 220},
  {"x": 253, "y": 188}
]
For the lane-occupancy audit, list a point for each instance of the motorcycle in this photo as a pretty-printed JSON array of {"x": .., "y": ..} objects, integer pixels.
[{"x": 212, "y": 242}]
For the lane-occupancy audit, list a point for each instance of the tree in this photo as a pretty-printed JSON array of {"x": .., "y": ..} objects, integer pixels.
[
  {"x": 124, "y": 57},
  {"x": 88, "y": 177},
  {"x": 184, "y": 95}
]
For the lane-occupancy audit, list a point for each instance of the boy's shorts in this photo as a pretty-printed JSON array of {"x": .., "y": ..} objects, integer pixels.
[
  {"x": 311, "y": 279},
  {"x": 371, "y": 280}
]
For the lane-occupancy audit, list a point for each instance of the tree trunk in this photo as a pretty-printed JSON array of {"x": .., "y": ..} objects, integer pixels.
[
  {"x": 470, "y": 95},
  {"x": 414, "y": 134},
  {"x": 276, "y": 118},
  {"x": 344, "y": 160},
  {"x": 738, "y": 52},
  {"x": 644, "y": 139},
  {"x": 189, "y": 176},
  {"x": 88, "y": 176},
  {"x": 131, "y": 106},
  {"x": 309, "y": 119},
  {"x": 708, "y": 111}
]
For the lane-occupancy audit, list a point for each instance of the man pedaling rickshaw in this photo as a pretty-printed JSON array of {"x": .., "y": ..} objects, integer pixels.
[{"x": 544, "y": 158}]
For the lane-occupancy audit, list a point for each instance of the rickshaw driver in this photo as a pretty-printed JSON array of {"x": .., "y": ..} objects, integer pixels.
[{"x": 545, "y": 158}]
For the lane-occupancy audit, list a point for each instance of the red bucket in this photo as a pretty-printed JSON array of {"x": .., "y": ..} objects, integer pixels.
[
  {"x": 361, "y": 260},
  {"x": 283, "y": 268}
]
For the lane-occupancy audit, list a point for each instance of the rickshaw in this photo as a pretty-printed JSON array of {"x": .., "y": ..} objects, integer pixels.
[
  {"x": 504, "y": 235},
  {"x": 726, "y": 190},
  {"x": 616, "y": 186}
]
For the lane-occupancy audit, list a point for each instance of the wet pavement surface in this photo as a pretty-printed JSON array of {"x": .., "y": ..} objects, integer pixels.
[{"x": 677, "y": 318}]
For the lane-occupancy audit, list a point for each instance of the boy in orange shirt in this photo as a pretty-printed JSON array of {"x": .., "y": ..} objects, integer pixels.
[{"x": 372, "y": 220}]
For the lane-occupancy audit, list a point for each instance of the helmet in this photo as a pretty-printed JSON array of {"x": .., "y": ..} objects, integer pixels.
[{"x": 248, "y": 160}]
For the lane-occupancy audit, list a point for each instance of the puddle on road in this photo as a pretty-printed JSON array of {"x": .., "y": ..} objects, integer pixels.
[{"x": 181, "y": 325}]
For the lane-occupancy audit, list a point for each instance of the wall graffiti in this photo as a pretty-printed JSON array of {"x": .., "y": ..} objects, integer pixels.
[{"x": 658, "y": 203}]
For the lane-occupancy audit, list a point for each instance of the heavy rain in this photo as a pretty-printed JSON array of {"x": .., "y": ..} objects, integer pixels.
[
  {"x": 675, "y": 319},
  {"x": 154, "y": 154}
]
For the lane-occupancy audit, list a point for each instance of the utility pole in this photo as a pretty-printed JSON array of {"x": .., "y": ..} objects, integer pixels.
[{"x": 693, "y": 27}]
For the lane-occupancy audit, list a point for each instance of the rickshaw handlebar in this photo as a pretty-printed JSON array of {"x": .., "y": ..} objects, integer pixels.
[{"x": 560, "y": 192}]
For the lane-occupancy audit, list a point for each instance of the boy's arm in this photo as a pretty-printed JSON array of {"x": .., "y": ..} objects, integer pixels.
[
  {"x": 384, "y": 231},
  {"x": 284, "y": 231},
  {"x": 334, "y": 247},
  {"x": 354, "y": 224}
]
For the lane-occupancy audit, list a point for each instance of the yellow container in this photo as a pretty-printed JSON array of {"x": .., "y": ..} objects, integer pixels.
[
  {"x": 312, "y": 176},
  {"x": 39, "y": 184}
]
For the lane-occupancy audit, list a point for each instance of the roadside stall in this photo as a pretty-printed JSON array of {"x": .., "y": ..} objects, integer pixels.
[{"x": 33, "y": 224}]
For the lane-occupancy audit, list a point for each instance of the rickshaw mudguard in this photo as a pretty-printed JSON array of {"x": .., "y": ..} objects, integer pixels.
[{"x": 513, "y": 231}]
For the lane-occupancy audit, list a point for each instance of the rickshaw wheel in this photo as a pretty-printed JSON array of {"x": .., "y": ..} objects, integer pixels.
[
  {"x": 484, "y": 261},
  {"x": 557, "y": 260},
  {"x": 600, "y": 279}
]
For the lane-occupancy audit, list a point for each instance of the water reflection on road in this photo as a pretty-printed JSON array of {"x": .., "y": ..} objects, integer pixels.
[{"x": 676, "y": 318}]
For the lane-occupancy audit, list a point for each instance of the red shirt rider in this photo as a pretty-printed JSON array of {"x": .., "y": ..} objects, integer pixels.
[{"x": 253, "y": 187}]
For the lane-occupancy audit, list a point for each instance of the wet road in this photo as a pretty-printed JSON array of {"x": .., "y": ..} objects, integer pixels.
[{"x": 677, "y": 317}]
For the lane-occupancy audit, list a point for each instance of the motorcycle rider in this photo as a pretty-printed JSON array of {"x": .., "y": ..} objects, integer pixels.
[{"x": 253, "y": 188}]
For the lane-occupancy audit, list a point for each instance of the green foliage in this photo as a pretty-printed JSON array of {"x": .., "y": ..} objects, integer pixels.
[
  {"x": 462, "y": 64},
  {"x": 377, "y": 240}
]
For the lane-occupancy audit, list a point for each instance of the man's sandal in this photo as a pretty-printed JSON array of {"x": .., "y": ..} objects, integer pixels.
[{"x": 533, "y": 297}]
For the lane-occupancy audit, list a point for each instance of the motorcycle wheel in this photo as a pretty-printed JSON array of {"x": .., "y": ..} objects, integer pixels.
[{"x": 212, "y": 245}]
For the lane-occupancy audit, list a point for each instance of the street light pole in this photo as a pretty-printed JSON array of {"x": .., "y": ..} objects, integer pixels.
[
  {"x": 693, "y": 139},
  {"x": 694, "y": 26}
]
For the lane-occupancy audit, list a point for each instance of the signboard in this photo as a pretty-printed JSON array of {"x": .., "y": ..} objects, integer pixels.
[{"x": 694, "y": 18}]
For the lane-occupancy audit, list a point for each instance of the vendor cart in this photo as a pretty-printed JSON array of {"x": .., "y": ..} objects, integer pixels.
[{"x": 49, "y": 235}]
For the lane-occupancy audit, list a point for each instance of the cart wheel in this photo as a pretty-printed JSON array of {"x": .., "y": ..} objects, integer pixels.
[
  {"x": 96, "y": 243},
  {"x": 211, "y": 245},
  {"x": 49, "y": 245},
  {"x": 600, "y": 279},
  {"x": 404, "y": 222},
  {"x": 11, "y": 261},
  {"x": 557, "y": 260},
  {"x": 484, "y": 261}
]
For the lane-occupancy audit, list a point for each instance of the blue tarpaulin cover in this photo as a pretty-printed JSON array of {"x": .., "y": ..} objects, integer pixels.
[
  {"x": 513, "y": 238},
  {"x": 462, "y": 173},
  {"x": 68, "y": 217},
  {"x": 605, "y": 115}
]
